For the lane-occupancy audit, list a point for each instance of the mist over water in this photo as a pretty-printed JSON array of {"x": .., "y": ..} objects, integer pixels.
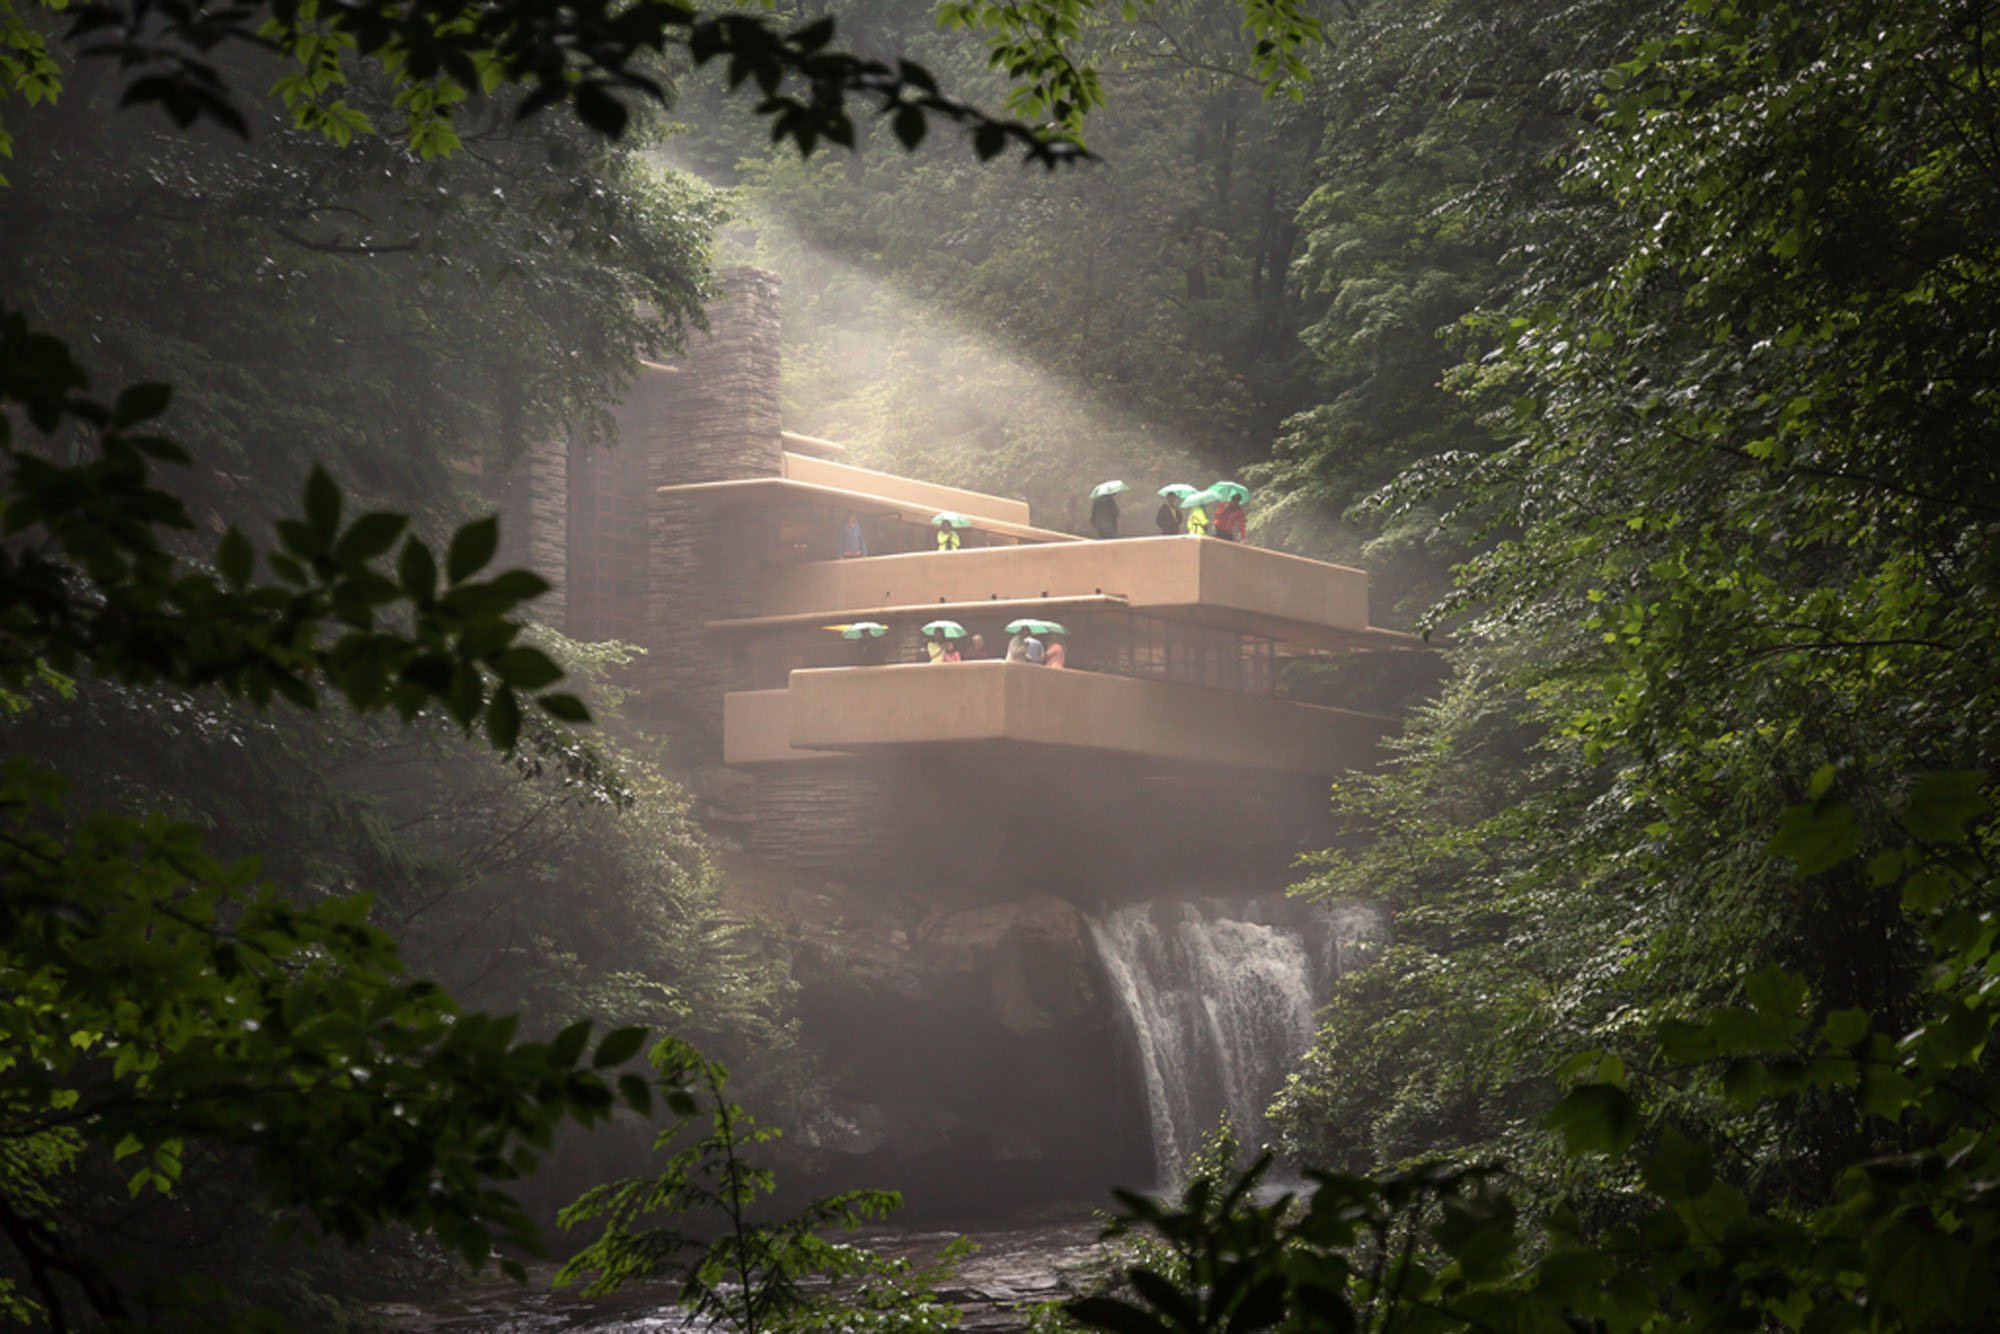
[{"x": 1219, "y": 996}]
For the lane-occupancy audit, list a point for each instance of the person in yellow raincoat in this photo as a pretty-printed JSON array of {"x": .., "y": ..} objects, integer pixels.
[{"x": 1197, "y": 520}]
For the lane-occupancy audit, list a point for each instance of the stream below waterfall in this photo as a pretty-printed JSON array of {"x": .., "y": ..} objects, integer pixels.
[
  {"x": 1218, "y": 998},
  {"x": 1023, "y": 1260}
]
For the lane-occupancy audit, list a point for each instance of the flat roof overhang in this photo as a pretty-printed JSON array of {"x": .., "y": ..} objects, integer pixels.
[
  {"x": 864, "y": 710},
  {"x": 776, "y": 492}
]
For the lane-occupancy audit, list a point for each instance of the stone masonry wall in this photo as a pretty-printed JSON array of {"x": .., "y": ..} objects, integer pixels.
[{"x": 716, "y": 419}]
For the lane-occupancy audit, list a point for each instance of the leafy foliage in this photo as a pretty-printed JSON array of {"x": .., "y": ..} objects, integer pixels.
[
  {"x": 693, "y": 1221},
  {"x": 1690, "y": 1236},
  {"x": 586, "y": 57},
  {"x": 1719, "y": 568},
  {"x": 90, "y": 580}
]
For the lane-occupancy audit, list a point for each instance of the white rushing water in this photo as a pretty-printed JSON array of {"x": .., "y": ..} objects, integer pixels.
[{"x": 1220, "y": 996}]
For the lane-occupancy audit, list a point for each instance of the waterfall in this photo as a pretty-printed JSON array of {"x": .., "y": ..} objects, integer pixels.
[{"x": 1219, "y": 995}]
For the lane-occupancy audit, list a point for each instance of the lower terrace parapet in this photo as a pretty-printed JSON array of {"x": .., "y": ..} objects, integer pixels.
[{"x": 864, "y": 709}]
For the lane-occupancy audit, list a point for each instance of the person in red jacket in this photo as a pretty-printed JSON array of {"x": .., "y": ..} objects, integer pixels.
[{"x": 1230, "y": 520}]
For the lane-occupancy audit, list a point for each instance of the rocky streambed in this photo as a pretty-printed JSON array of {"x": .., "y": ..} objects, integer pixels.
[{"x": 1023, "y": 1261}]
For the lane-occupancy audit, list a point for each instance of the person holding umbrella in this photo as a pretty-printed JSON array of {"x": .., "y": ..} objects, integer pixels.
[
  {"x": 1195, "y": 507},
  {"x": 938, "y": 640},
  {"x": 948, "y": 523},
  {"x": 1104, "y": 508},
  {"x": 1229, "y": 516},
  {"x": 1168, "y": 518},
  {"x": 867, "y": 636}
]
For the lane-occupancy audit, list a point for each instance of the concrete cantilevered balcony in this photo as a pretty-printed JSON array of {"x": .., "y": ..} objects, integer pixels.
[
  {"x": 859, "y": 710},
  {"x": 1204, "y": 580}
]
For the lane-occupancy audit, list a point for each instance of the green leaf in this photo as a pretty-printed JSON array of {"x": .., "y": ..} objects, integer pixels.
[
  {"x": 1941, "y": 805},
  {"x": 1114, "y": 1316},
  {"x": 471, "y": 548},
  {"x": 619, "y": 1045},
  {"x": 368, "y": 537},
  {"x": 1777, "y": 995},
  {"x": 569, "y": 1044},
  {"x": 417, "y": 570},
  {"x": 503, "y": 719},
  {"x": 1596, "y": 1118},
  {"x": 1817, "y": 837},
  {"x": 1844, "y": 1028},
  {"x": 567, "y": 708},
  {"x": 526, "y": 668},
  {"x": 518, "y": 586},
  {"x": 1915, "y": 1272},
  {"x": 636, "y": 1093},
  {"x": 322, "y": 504},
  {"x": 235, "y": 559},
  {"x": 1927, "y": 891},
  {"x": 1677, "y": 1168},
  {"x": 138, "y": 403}
]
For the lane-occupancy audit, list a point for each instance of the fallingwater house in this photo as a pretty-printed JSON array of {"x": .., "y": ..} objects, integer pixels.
[{"x": 1032, "y": 839}]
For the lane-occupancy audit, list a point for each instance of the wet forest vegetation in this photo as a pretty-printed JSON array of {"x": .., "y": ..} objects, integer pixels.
[{"x": 1644, "y": 351}]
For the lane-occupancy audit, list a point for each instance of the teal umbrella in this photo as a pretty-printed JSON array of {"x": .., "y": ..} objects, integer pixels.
[
  {"x": 1035, "y": 627},
  {"x": 1175, "y": 490},
  {"x": 1200, "y": 498},
  {"x": 952, "y": 517},
  {"x": 1235, "y": 491},
  {"x": 1103, "y": 489},
  {"x": 949, "y": 629},
  {"x": 858, "y": 629}
]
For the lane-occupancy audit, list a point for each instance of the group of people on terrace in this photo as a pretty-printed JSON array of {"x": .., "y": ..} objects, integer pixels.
[
  {"x": 1035, "y": 641},
  {"x": 1217, "y": 510}
]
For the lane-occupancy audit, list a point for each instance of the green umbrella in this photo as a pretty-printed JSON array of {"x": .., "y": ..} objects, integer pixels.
[
  {"x": 1103, "y": 489},
  {"x": 1235, "y": 491},
  {"x": 949, "y": 629},
  {"x": 1035, "y": 627},
  {"x": 860, "y": 628},
  {"x": 1200, "y": 498},
  {"x": 952, "y": 517},
  {"x": 1175, "y": 490}
]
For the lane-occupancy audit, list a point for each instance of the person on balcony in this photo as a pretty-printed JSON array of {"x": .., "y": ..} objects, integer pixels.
[
  {"x": 1198, "y": 521},
  {"x": 1054, "y": 656},
  {"x": 1037, "y": 654},
  {"x": 1104, "y": 516},
  {"x": 1167, "y": 518},
  {"x": 947, "y": 539},
  {"x": 853, "y": 542},
  {"x": 1017, "y": 647},
  {"x": 1230, "y": 520},
  {"x": 951, "y": 653},
  {"x": 935, "y": 645}
]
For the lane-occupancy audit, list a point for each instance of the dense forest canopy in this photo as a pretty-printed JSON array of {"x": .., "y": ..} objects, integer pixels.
[{"x": 1645, "y": 352}]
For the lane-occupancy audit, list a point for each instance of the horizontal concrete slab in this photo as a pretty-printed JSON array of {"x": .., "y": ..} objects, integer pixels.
[
  {"x": 778, "y": 492},
  {"x": 859, "y": 709},
  {"x": 930, "y": 495},
  {"x": 1225, "y": 584}
]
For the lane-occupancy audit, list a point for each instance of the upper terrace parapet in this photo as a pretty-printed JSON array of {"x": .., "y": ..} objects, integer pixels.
[{"x": 1197, "y": 578}]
